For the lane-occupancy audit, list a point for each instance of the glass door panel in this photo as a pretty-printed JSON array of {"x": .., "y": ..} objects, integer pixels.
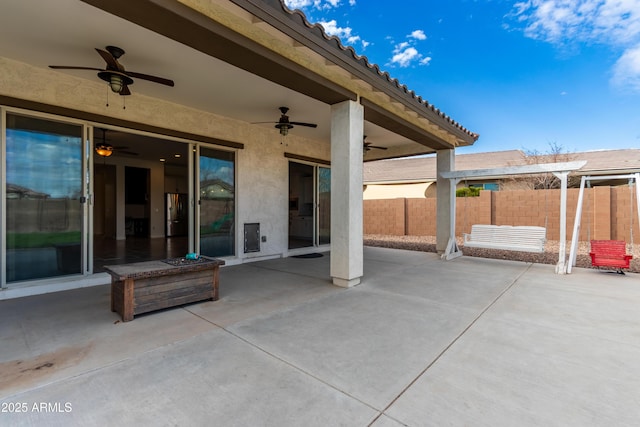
[
  {"x": 301, "y": 203},
  {"x": 324, "y": 205},
  {"x": 44, "y": 189},
  {"x": 217, "y": 202}
]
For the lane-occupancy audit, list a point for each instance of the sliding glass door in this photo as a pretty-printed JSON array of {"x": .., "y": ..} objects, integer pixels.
[
  {"x": 309, "y": 205},
  {"x": 43, "y": 192},
  {"x": 216, "y": 217}
]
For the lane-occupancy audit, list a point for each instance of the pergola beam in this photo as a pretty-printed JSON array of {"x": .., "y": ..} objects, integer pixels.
[{"x": 515, "y": 170}]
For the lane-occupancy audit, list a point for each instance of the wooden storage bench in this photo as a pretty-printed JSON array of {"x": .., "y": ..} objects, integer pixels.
[{"x": 147, "y": 286}]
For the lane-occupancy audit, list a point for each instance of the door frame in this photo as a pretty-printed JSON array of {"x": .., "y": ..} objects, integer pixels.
[
  {"x": 315, "y": 240},
  {"x": 86, "y": 240}
]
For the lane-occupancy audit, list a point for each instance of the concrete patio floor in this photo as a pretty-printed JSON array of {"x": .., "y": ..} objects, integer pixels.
[{"x": 420, "y": 342}]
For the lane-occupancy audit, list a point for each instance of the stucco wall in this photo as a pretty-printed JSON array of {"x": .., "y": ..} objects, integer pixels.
[
  {"x": 261, "y": 168},
  {"x": 390, "y": 191}
]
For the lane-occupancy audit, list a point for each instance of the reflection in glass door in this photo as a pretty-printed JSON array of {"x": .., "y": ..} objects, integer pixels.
[
  {"x": 324, "y": 206},
  {"x": 43, "y": 194},
  {"x": 216, "y": 202}
]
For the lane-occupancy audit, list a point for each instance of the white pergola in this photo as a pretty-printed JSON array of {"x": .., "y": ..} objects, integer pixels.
[{"x": 560, "y": 170}]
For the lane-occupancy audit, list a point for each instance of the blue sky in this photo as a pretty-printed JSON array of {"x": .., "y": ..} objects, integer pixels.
[{"x": 522, "y": 74}]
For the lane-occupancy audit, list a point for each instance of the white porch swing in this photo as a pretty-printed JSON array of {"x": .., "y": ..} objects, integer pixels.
[{"x": 510, "y": 237}]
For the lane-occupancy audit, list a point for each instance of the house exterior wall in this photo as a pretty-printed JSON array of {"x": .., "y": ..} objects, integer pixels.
[
  {"x": 261, "y": 167},
  {"x": 607, "y": 213},
  {"x": 391, "y": 191}
]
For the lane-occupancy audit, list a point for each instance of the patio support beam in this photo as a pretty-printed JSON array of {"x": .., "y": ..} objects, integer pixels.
[
  {"x": 347, "y": 128},
  {"x": 446, "y": 202}
]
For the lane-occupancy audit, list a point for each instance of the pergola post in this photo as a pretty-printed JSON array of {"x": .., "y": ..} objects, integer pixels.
[{"x": 562, "y": 249}]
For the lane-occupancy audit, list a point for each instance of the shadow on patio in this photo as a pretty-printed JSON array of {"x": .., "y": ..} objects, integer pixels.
[{"x": 420, "y": 342}]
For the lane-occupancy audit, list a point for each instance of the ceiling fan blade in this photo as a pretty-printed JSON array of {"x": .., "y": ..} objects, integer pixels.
[
  {"x": 150, "y": 78},
  {"x": 127, "y": 153},
  {"x": 112, "y": 64},
  {"x": 310, "y": 125},
  {"x": 375, "y": 146},
  {"x": 125, "y": 90},
  {"x": 66, "y": 67}
]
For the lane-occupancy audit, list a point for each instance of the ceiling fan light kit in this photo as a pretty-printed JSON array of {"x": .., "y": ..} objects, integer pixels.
[
  {"x": 283, "y": 124},
  {"x": 117, "y": 81},
  {"x": 284, "y": 128}
]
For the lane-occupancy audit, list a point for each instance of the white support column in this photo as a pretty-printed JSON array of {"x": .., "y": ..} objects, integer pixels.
[
  {"x": 347, "y": 128},
  {"x": 562, "y": 250},
  {"x": 575, "y": 238},
  {"x": 636, "y": 177},
  {"x": 446, "y": 206}
]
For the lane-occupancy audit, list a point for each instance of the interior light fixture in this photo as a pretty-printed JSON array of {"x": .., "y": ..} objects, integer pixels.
[{"x": 104, "y": 150}]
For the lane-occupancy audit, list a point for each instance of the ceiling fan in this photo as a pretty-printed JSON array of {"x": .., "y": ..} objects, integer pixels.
[
  {"x": 118, "y": 78},
  {"x": 367, "y": 146},
  {"x": 284, "y": 124}
]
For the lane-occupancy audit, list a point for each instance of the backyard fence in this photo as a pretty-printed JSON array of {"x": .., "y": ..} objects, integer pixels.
[{"x": 607, "y": 213}]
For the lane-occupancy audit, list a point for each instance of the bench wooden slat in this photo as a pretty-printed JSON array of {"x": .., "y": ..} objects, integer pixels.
[
  {"x": 507, "y": 237},
  {"x": 610, "y": 253}
]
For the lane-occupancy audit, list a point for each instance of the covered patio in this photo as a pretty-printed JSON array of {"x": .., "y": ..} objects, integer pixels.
[
  {"x": 490, "y": 342},
  {"x": 241, "y": 129}
]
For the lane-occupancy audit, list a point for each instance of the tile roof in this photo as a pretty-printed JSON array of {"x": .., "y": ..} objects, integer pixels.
[
  {"x": 428, "y": 109},
  {"x": 424, "y": 168}
]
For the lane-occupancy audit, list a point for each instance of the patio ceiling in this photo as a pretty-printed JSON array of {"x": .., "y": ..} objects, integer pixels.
[{"x": 66, "y": 32}]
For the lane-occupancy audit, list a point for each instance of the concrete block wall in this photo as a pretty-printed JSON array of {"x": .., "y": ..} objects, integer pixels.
[
  {"x": 473, "y": 210},
  {"x": 607, "y": 213},
  {"x": 421, "y": 217},
  {"x": 385, "y": 216},
  {"x": 624, "y": 213}
]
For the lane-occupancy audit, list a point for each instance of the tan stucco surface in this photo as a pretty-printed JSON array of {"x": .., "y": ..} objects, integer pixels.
[{"x": 262, "y": 172}]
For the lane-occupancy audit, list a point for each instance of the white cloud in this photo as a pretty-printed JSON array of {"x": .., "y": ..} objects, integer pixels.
[
  {"x": 345, "y": 34},
  {"x": 297, "y": 4},
  {"x": 565, "y": 21},
  {"x": 316, "y": 4},
  {"x": 612, "y": 23},
  {"x": 405, "y": 57},
  {"x": 406, "y": 54},
  {"x": 626, "y": 71},
  {"x": 418, "y": 35}
]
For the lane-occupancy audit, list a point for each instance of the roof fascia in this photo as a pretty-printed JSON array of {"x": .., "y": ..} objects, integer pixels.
[{"x": 378, "y": 115}]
